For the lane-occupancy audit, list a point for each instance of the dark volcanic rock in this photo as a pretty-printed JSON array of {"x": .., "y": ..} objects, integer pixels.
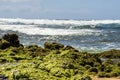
[
  {"x": 12, "y": 39},
  {"x": 9, "y": 40},
  {"x": 53, "y": 45},
  {"x": 4, "y": 44},
  {"x": 35, "y": 50},
  {"x": 111, "y": 54}
]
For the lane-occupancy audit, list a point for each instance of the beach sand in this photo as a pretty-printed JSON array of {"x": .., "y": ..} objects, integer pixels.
[{"x": 96, "y": 78}]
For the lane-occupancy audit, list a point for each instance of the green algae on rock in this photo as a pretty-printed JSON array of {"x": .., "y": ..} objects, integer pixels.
[
  {"x": 110, "y": 54},
  {"x": 53, "y": 62}
]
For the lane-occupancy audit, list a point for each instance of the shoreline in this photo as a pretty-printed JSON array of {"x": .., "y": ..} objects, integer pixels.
[{"x": 54, "y": 61}]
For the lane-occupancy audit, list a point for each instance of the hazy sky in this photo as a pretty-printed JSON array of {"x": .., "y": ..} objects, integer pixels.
[{"x": 60, "y": 9}]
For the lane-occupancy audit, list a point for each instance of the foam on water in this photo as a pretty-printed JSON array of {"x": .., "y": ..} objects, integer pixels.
[
  {"x": 33, "y": 30},
  {"x": 59, "y": 22},
  {"x": 94, "y": 35}
]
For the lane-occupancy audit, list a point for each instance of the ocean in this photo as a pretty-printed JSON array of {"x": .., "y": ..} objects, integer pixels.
[{"x": 84, "y": 35}]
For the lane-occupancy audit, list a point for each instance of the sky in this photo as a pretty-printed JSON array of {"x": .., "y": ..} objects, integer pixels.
[{"x": 60, "y": 9}]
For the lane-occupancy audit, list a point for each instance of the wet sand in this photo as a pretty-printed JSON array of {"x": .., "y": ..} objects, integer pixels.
[{"x": 96, "y": 78}]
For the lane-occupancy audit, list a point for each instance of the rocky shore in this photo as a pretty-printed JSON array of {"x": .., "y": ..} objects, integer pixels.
[{"x": 54, "y": 61}]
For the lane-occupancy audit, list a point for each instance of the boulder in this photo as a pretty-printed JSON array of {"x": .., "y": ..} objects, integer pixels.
[
  {"x": 111, "y": 54},
  {"x": 35, "y": 50},
  {"x": 53, "y": 45},
  {"x": 4, "y": 44},
  {"x": 12, "y": 39}
]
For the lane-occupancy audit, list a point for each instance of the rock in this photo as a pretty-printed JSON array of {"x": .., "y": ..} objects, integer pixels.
[
  {"x": 4, "y": 44},
  {"x": 3, "y": 77},
  {"x": 10, "y": 40},
  {"x": 31, "y": 47},
  {"x": 70, "y": 48},
  {"x": 111, "y": 54},
  {"x": 86, "y": 78},
  {"x": 35, "y": 50},
  {"x": 53, "y": 46},
  {"x": 10, "y": 37}
]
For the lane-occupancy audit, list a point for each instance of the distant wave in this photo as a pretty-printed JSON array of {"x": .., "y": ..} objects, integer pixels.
[
  {"x": 58, "y": 22},
  {"x": 98, "y": 26}
]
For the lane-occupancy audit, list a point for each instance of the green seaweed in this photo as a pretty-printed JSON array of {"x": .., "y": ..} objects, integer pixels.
[{"x": 54, "y": 61}]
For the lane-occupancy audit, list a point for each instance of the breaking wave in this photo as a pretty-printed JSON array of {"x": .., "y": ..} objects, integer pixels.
[
  {"x": 58, "y": 27},
  {"x": 33, "y": 30},
  {"x": 91, "y": 35},
  {"x": 58, "y": 22}
]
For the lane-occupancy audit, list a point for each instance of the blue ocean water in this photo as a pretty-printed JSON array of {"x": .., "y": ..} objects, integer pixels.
[{"x": 94, "y": 35}]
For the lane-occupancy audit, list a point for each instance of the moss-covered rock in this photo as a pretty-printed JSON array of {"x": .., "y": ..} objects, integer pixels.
[
  {"x": 35, "y": 50},
  {"x": 86, "y": 78},
  {"x": 111, "y": 54},
  {"x": 53, "y": 62},
  {"x": 93, "y": 69},
  {"x": 8, "y": 40},
  {"x": 4, "y": 44},
  {"x": 101, "y": 74},
  {"x": 108, "y": 62},
  {"x": 53, "y": 46},
  {"x": 12, "y": 39}
]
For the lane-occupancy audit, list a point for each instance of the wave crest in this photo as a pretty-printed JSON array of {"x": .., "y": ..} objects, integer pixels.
[{"x": 59, "y": 22}]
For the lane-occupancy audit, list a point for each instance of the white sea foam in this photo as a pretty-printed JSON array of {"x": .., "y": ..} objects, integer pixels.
[
  {"x": 60, "y": 22},
  {"x": 33, "y": 30},
  {"x": 67, "y": 27}
]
